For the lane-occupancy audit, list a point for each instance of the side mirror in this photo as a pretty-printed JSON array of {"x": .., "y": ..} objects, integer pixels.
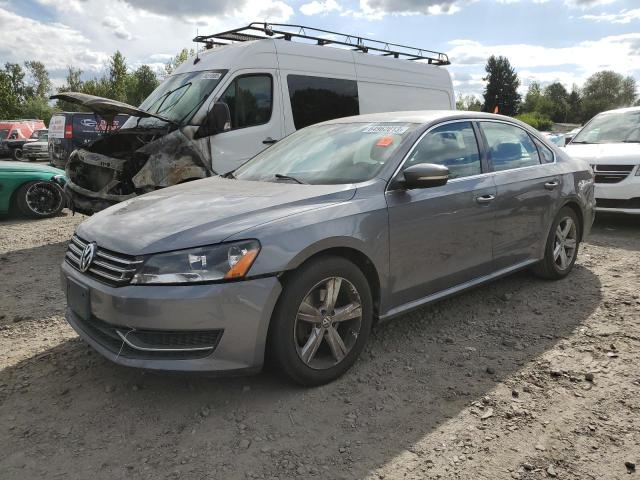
[
  {"x": 425, "y": 175},
  {"x": 218, "y": 120}
]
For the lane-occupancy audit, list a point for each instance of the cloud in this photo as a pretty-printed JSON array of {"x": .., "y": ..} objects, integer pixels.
[
  {"x": 67, "y": 46},
  {"x": 377, "y": 9},
  {"x": 622, "y": 17},
  {"x": 570, "y": 64},
  {"x": 199, "y": 12},
  {"x": 320, "y": 7},
  {"x": 118, "y": 28}
]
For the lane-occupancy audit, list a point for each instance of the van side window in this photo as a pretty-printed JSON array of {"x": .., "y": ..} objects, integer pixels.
[
  {"x": 317, "y": 99},
  {"x": 509, "y": 146},
  {"x": 250, "y": 100},
  {"x": 453, "y": 145}
]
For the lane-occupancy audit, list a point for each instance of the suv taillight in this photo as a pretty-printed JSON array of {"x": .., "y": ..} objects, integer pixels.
[{"x": 68, "y": 131}]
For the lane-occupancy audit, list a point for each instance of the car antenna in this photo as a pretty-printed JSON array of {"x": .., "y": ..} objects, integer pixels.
[{"x": 197, "y": 59}]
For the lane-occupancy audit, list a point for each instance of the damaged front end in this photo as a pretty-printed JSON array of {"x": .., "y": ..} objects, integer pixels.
[{"x": 129, "y": 163}]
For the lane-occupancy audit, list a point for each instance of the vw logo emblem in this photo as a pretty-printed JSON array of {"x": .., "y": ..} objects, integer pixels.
[{"x": 87, "y": 256}]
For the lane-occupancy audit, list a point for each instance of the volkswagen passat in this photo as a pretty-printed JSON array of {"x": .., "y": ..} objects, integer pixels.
[{"x": 301, "y": 250}]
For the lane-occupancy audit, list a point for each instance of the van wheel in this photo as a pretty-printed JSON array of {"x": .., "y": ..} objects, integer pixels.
[
  {"x": 562, "y": 246},
  {"x": 17, "y": 154},
  {"x": 40, "y": 199},
  {"x": 322, "y": 321}
]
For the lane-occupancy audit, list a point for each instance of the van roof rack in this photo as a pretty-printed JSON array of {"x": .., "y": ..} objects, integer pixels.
[{"x": 262, "y": 30}]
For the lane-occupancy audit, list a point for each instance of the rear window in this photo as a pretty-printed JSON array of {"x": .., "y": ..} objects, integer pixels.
[{"x": 317, "y": 99}]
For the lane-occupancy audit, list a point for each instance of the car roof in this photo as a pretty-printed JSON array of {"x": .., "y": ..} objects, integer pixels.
[
  {"x": 420, "y": 116},
  {"x": 622, "y": 110}
]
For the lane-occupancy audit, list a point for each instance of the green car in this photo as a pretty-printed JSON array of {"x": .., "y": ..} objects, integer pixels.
[{"x": 34, "y": 190}]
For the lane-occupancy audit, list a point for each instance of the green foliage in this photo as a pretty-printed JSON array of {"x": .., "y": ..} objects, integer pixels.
[
  {"x": 469, "y": 102},
  {"x": 502, "y": 87},
  {"x": 607, "y": 90},
  {"x": 178, "y": 60},
  {"x": 536, "y": 120}
]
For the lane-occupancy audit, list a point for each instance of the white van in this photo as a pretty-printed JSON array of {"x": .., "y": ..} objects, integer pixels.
[{"x": 250, "y": 88}]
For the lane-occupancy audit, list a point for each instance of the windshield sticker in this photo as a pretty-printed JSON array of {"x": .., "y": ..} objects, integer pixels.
[
  {"x": 211, "y": 76},
  {"x": 388, "y": 129},
  {"x": 385, "y": 141}
]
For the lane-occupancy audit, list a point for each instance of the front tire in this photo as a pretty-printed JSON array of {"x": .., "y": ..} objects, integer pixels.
[
  {"x": 322, "y": 321},
  {"x": 40, "y": 199},
  {"x": 17, "y": 154},
  {"x": 561, "y": 249}
]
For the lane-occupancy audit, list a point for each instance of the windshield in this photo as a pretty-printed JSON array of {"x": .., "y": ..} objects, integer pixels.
[
  {"x": 39, "y": 135},
  {"x": 328, "y": 154},
  {"x": 614, "y": 127},
  {"x": 178, "y": 98},
  {"x": 4, "y": 132}
]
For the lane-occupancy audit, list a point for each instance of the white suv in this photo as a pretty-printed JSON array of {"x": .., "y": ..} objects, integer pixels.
[{"x": 610, "y": 142}]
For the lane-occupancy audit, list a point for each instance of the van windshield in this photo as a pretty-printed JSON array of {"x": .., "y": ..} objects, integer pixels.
[
  {"x": 328, "y": 154},
  {"x": 613, "y": 127},
  {"x": 178, "y": 98}
]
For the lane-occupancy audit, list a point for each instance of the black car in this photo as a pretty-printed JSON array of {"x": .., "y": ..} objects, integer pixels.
[{"x": 71, "y": 130}]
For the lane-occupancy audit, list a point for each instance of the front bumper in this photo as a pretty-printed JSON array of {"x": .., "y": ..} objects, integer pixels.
[
  {"x": 236, "y": 313},
  {"x": 621, "y": 197},
  {"x": 36, "y": 155}
]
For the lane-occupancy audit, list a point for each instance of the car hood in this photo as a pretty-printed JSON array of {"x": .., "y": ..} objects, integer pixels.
[
  {"x": 606, "y": 153},
  {"x": 104, "y": 107},
  {"x": 29, "y": 167},
  {"x": 202, "y": 212}
]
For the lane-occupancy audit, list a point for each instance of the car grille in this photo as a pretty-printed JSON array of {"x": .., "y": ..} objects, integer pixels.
[
  {"x": 108, "y": 267},
  {"x": 611, "y": 173},
  {"x": 632, "y": 203},
  {"x": 151, "y": 344}
]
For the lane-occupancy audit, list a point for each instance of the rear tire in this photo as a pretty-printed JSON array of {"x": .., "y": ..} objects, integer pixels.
[
  {"x": 40, "y": 199},
  {"x": 316, "y": 336},
  {"x": 561, "y": 249}
]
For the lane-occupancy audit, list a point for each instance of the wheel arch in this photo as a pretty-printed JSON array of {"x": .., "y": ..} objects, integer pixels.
[{"x": 575, "y": 206}]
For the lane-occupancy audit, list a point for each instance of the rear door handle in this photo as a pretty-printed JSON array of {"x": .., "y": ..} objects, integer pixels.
[
  {"x": 484, "y": 199},
  {"x": 269, "y": 141},
  {"x": 551, "y": 185}
]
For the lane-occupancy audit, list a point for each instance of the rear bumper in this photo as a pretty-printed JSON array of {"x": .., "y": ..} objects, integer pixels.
[{"x": 124, "y": 321}]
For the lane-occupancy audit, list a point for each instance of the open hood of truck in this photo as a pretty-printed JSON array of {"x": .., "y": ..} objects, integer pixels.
[{"x": 105, "y": 107}]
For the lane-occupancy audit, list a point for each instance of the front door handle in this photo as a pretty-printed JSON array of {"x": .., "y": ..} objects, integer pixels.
[
  {"x": 269, "y": 141},
  {"x": 551, "y": 185},
  {"x": 484, "y": 199}
]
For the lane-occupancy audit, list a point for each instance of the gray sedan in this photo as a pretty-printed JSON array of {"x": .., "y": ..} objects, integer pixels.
[{"x": 297, "y": 254}]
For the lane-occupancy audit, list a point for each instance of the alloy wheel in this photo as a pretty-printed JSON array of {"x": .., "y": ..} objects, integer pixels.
[
  {"x": 327, "y": 323},
  {"x": 565, "y": 242},
  {"x": 43, "y": 198}
]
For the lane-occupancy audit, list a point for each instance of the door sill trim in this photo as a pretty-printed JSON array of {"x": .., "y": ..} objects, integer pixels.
[{"x": 394, "y": 312}]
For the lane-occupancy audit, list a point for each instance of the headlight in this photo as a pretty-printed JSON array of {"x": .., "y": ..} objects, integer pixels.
[
  {"x": 227, "y": 261},
  {"x": 59, "y": 179}
]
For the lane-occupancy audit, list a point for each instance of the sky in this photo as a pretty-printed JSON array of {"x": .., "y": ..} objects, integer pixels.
[{"x": 545, "y": 40}]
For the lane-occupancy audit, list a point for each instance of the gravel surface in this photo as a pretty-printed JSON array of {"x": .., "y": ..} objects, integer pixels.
[{"x": 521, "y": 378}]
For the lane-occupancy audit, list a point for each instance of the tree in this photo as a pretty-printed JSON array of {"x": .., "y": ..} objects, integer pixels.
[
  {"x": 178, "y": 60},
  {"x": 502, "y": 87},
  {"x": 38, "y": 82},
  {"x": 9, "y": 103},
  {"x": 558, "y": 100},
  {"x": 117, "y": 80},
  {"x": 141, "y": 83},
  {"x": 575, "y": 105},
  {"x": 531, "y": 99},
  {"x": 606, "y": 90},
  {"x": 468, "y": 102}
]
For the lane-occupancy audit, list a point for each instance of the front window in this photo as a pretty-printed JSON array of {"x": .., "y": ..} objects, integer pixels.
[
  {"x": 329, "y": 154},
  {"x": 611, "y": 127},
  {"x": 250, "y": 100},
  {"x": 178, "y": 98}
]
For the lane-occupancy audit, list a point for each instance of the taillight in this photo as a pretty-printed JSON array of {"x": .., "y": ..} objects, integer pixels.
[{"x": 68, "y": 131}]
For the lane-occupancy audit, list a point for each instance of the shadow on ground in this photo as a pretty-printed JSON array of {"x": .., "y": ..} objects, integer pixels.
[{"x": 67, "y": 412}]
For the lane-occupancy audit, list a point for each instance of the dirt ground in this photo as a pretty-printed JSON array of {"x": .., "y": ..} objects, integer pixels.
[{"x": 518, "y": 379}]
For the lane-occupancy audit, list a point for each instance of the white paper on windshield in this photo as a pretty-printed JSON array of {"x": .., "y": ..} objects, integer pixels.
[
  {"x": 385, "y": 129},
  {"x": 211, "y": 76},
  {"x": 56, "y": 126}
]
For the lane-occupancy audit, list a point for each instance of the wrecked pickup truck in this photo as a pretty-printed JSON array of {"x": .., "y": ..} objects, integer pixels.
[{"x": 148, "y": 152}]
